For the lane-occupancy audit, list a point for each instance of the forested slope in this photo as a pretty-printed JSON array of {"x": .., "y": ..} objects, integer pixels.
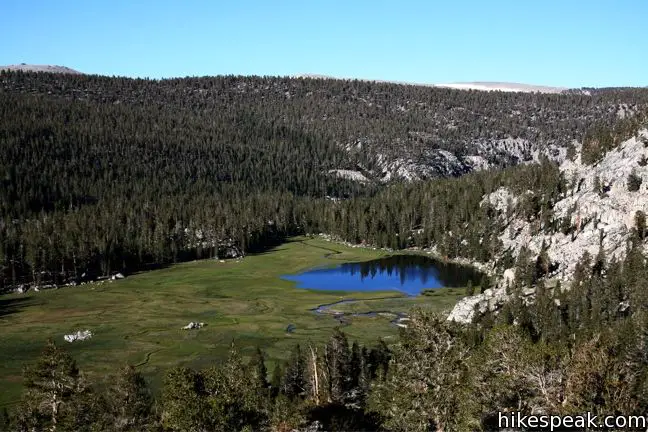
[
  {"x": 102, "y": 174},
  {"x": 403, "y": 123}
]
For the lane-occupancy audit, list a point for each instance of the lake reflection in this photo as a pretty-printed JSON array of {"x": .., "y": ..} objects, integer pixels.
[{"x": 409, "y": 274}]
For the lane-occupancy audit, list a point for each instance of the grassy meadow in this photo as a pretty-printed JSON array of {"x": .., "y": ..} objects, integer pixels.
[{"x": 138, "y": 320}]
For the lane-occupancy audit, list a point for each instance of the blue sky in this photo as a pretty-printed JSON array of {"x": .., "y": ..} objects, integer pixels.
[{"x": 567, "y": 43}]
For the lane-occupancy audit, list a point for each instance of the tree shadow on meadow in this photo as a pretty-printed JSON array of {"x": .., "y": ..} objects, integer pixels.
[{"x": 9, "y": 306}]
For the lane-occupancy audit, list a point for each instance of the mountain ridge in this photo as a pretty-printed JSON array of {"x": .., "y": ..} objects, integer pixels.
[
  {"x": 397, "y": 131},
  {"x": 40, "y": 68},
  {"x": 469, "y": 85},
  {"x": 503, "y": 86}
]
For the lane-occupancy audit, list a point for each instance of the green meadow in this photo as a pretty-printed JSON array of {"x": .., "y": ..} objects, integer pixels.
[{"x": 138, "y": 320}]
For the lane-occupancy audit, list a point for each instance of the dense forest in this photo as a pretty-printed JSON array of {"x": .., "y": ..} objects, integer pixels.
[
  {"x": 107, "y": 174},
  {"x": 102, "y": 174}
]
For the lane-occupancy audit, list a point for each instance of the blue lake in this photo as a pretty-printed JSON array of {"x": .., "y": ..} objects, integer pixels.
[{"x": 409, "y": 274}]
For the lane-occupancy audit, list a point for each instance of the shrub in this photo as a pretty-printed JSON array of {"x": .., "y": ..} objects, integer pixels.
[{"x": 634, "y": 182}]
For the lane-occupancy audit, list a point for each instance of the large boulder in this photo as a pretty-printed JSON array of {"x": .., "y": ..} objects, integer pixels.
[
  {"x": 193, "y": 325},
  {"x": 468, "y": 307},
  {"x": 78, "y": 336}
]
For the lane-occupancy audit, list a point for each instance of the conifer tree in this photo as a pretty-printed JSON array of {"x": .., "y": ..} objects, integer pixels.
[
  {"x": 130, "y": 401},
  {"x": 294, "y": 381},
  {"x": 258, "y": 369},
  {"x": 184, "y": 406},
  {"x": 338, "y": 363},
  {"x": 424, "y": 387},
  {"x": 5, "y": 420},
  {"x": 470, "y": 289},
  {"x": 634, "y": 182},
  {"x": 276, "y": 378},
  {"x": 640, "y": 224},
  {"x": 54, "y": 390}
]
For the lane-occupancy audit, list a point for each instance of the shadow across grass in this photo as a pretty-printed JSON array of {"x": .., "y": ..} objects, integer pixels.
[
  {"x": 12, "y": 305},
  {"x": 271, "y": 244}
]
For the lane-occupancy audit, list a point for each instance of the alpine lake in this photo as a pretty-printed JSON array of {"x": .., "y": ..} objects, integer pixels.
[{"x": 409, "y": 275}]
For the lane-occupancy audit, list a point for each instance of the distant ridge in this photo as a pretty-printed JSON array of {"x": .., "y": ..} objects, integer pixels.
[
  {"x": 40, "y": 68},
  {"x": 503, "y": 86},
  {"x": 477, "y": 85}
]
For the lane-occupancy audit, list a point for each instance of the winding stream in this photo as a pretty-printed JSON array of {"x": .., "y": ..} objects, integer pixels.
[{"x": 326, "y": 309}]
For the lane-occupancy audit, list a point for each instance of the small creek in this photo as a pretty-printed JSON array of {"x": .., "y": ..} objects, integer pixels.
[{"x": 327, "y": 309}]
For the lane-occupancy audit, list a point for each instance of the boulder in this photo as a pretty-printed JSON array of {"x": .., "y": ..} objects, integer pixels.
[
  {"x": 78, "y": 336},
  {"x": 465, "y": 309},
  {"x": 624, "y": 306},
  {"x": 509, "y": 277},
  {"x": 193, "y": 325}
]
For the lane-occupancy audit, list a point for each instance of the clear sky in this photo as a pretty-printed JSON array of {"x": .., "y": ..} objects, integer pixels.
[{"x": 570, "y": 43}]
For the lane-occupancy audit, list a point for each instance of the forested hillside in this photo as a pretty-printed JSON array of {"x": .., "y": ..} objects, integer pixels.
[
  {"x": 110, "y": 174},
  {"x": 402, "y": 128}
]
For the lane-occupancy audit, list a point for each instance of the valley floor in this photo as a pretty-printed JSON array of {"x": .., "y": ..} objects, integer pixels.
[{"x": 138, "y": 320}]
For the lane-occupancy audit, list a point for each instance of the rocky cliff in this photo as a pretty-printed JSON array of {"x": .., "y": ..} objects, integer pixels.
[{"x": 597, "y": 212}]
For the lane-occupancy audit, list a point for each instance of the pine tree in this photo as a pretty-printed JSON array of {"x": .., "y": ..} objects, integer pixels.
[
  {"x": 543, "y": 262},
  {"x": 5, "y": 420},
  {"x": 53, "y": 391},
  {"x": 317, "y": 377},
  {"x": 355, "y": 367},
  {"x": 643, "y": 161},
  {"x": 378, "y": 361},
  {"x": 597, "y": 185},
  {"x": 424, "y": 389},
  {"x": 184, "y": 407},
  {"x": 525, "y": 274},
  {"x": 258, "y": 369},
  {"x": 338, "y": 363},
  {"x": 470, "y": 289},
  {"x": 234, "y": 400},
  {"x": 640, "y": 224},
  {"x": 599, "y": 263},
  {"x": 294, "y": 381},
  {"x": 276, "y": 378},
  {"x": 130, "y": 401},
  {"x": 286, "y": 414},
  {"x": 633, "y": 182}
]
